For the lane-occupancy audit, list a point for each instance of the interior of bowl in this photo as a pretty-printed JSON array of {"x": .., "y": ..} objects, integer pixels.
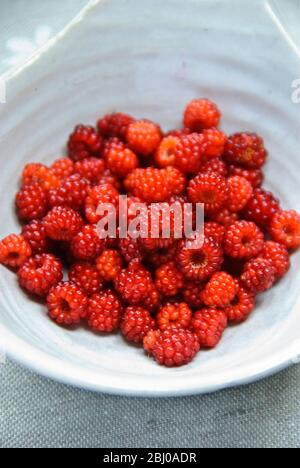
[{"x": 149, "y": 61}]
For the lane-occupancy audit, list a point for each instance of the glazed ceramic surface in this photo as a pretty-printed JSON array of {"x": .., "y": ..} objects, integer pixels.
[{"x": 149, "y": 58}]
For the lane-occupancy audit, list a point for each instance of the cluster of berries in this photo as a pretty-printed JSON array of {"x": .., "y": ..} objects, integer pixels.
[{"x": 160, "y": 293}]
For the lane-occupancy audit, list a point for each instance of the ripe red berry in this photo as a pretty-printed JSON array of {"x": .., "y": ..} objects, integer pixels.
[
  {"x": 71, "y": 193},
  {"x": 254, "y": 176},
  {"x": 240, "y": 192},
  {"x": 175, "y": 347},
  {"x": 166, "y": 152},
  {"x": 31, "y": 202},
  {"x": 40, "y": 273},
  {"x": 224, "y": 217},
  {"x": 109, "y": 264},
  {"x": 100, "y": 195},
  {"x": 35, "y": 173},
  {"x": 136, "y": 323},
  {"x": 119, "y": 159},
  {"x": 87, "y": 277},
  {"x": 104, "y": 312},
  {"x": 108, "y": 178},
  {"x": 150, "y": 340},
  {"x": 168, "y": 279},
  {"x": 261, "y": 208},
  {"x": 177, "y": 315},
  {"x": 143, "y": 137},
  {"x": 285, "y": 228},
  {"x": 14, "y": 251},
  {"x": 258, "y": 275},
  {"x": 153, "y": 299},
  {"x": 200, "y": 264},
  {"x": 192, "y": 294},
  {"x": 35, "y": 234},
  {"x": 215, "y": 231},
  {"x": 62, "y": 224},
  {"x": 131, "y": 249},
  {"x": 215, "y": 165},
  {"x": 189, "y": 154},
  {"x": 209, "y": 189},
  {"x": 214, "y": 143},
  {"x": 62, "y": 168},
  {"x": 209, "y": 326},
  {"x": 91, "y": 169},
  {"x": 67, "y": 304},
  {"x": 84, "y": 142},
  {"x": 241, "y": 306},
  {"x": 87, "y": 245},
  {"x": 246, "y": 149},
  {"x": 278, "y": 255},
  {"x": 200, "y": 114},
  {"x": 115, "y": 125},
  {"x": 162, "y": 255},
  {"x": 219, "y": 291},
  {"x": 134, "y": 283},
  {"x": 243, "y": 240}
]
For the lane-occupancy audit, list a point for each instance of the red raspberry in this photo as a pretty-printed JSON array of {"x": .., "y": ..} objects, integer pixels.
[
  {"x": 258, "y": 275},
  {"x": 131, "y": 249},
  {"x": 134, "y": 283},
  {"x": 35, "y": 234},
  {"x": 136, "y": 323},
  {"x": 215, "y": 165},
  {"x": 166, "y": 152},
  {"x": 119, "y": 159},
  {"x": 40, "y": 273},
  {"x": 153, "y": 245},
  {"x": 35, "y": 173},
  {"x": 71, "y": 193},
  {"x": 261, "y": 208},
  {"x": 200, "y": 114},
  {"x": 175, "y": 347},
  {"x": 200, "y": 264},
  {"x": 210, "y": 189},
  {"x": 224, "y": 217},
  {"x": 100, "y": 194},
  {"x": 214, "y": 142},
  {"x": 192, "y": 294},
  {"x": 109, "y": 178},
  {"x": 162, "y": 255},
  {"x": 154, "y": 185},
  {"x": 254, "y": 176},
  {"x": 168, "y": 280},
  {"x": 215, "y": 231},
  {"x": 63, "y": 168},
  {"x": 104, "y": 312},
  {"x": 150, "y": 340},
  {"x": 87, "y": 277},
  {"x": 241, "y": 306},
  {"x": 31, "y": 202},
  {"x": 109, "y": 264},
  {"x": 152, "y": 301},
  {"x": 243, "y": 240},
  {"x": 91, "y": 169},
  {"x": 178, "y": 132},
  {"x": 14, "y": 251},
  {"x": 219, "y": 291},
  {"x": 285, "y": 228},
  {"x": 278, "y": 255},
  {"x": 87, "y": 245},
  {"x": 177, "y": 315},
  {"x": 67, "y": 304},
  {"x": 209, "y": 325},
  {"x": 246, "y": 149},
  {"x": 175, "y": 180},
  {"x": 189, "y": 153},
  {"x": 240, "y": 192},
  {"x": 143, "y": 137},
  {"x": 62, "y": 224},
  {"x": 115, "y": 125},
  {"x": 84, "y": 142}
]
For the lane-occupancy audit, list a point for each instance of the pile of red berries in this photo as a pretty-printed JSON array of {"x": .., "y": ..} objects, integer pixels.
[{"x": 160, "y": 293}]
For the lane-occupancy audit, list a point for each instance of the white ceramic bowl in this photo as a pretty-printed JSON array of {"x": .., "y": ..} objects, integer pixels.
[{"x": 149, "y": 58}]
